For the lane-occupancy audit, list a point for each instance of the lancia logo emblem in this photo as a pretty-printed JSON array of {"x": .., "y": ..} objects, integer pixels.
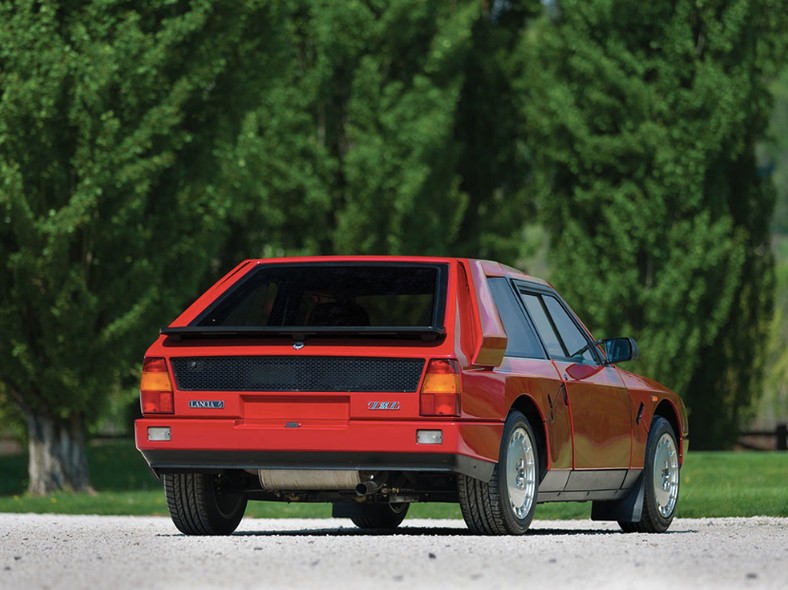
[
  {"x": 206, "y": 404},
  {"x": 298, "y": 345}
]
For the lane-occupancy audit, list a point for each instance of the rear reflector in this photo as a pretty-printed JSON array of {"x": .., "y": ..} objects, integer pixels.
[
  {"x": 440, "y": 392},
  {"x": 159, "y": 433},
  {"x": 156, "y": 395},
  {"x": 156, "y": 402},
  {"x": 429, "y": 437}
]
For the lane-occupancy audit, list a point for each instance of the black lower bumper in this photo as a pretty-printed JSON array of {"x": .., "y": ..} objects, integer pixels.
[{"x": 170, "y": 461}]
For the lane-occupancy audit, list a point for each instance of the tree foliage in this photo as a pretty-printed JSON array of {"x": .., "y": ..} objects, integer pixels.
[
  {"x": 773, "y": 158},
  {"x": 367, "y": 141},
  {"x": 643, "y": 119},
  {"x": 108, "y": 214},
  {"x": 494, "y": 164},
  {"x": 774, "y": 152}
]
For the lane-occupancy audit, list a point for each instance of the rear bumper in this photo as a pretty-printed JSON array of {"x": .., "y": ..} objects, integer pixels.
[
  {"x": 470, "y": 448},
  {"x": 164, "y": 461}
]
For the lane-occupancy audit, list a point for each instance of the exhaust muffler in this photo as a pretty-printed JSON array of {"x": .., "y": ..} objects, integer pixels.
[{"x": 308, "y": 479}]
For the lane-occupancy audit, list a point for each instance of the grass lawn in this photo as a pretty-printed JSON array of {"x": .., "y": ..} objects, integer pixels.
[{"x": 712, "y": 484}]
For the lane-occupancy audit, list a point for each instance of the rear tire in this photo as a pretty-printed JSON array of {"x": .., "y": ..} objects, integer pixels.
[
  {"x": 199, "y": 506},
  {"x": 660, "y": 481},
  {"x": 505, "y": 505},
  {"x": 379, "y": 516}
]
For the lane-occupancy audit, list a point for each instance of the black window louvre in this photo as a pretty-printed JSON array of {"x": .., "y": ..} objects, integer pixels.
[{"x": 287, "y": 373}]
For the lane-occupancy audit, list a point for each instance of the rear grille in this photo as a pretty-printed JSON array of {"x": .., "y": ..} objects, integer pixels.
[{"x": 271, "y": 373}]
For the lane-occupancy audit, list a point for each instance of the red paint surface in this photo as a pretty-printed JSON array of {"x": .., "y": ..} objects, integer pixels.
[
  {"x": 592, "y": 426},
  {"x": 601, "y": 416}
]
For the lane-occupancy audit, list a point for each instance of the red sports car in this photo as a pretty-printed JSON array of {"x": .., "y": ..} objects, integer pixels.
[{"x": 375, "y": 382}]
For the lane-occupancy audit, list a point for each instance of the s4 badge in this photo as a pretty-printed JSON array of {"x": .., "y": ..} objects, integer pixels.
[{"x": 383, "y": 405}]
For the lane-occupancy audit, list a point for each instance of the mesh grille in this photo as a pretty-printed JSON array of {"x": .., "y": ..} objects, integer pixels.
[{"x": 271, "y": 373}]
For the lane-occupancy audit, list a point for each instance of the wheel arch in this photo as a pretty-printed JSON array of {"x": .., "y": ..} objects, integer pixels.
[
  {"x": 529, "y": 408},
  {"x": 666, "y": 410}
]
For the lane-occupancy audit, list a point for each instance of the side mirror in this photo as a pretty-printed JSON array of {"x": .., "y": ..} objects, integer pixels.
[{"x": 620, "y": 349}]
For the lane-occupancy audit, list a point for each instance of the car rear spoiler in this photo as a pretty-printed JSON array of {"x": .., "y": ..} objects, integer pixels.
[{"x": 425, "y": 333}]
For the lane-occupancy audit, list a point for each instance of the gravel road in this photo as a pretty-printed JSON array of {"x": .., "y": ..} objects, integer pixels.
[{"x": 72, "y": 552}]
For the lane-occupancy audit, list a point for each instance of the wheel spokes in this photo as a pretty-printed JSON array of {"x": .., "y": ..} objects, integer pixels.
[
  {"x": 521, "y": 473},
  {"x": 666, "y": 475}
]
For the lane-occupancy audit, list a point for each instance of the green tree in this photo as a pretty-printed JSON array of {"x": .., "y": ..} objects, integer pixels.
[
  {"x": 494, "y": 163},
  {"x": 773, "y": 158},
  {"x": 643, "y": 120},
  {"x": 390, "y": 133},
  {"x": 773, "y": 152},
  {"x": 356, "y": 147},
  {"x": 108, "y": 216}
]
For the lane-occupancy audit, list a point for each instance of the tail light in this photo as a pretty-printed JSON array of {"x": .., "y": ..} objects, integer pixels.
[
  {"x": 156, "y": 388},
  {"x": 440, "y": 392}
]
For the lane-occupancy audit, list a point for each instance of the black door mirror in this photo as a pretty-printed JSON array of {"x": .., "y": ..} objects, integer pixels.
[{"x": 620, "y": 349}]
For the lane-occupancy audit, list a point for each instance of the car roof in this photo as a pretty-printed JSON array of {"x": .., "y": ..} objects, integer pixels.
[{"x": 489, "y": 267}]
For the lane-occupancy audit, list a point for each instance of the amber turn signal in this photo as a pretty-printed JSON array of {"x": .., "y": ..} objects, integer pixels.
[
  {"x": 156, "y": 396},
  {"x": 440, "y": 391}
]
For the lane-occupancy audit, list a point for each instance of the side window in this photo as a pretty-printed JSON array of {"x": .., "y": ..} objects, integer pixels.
[
  {"x": 522, "y": 340},
  {"x": 574, "y": 340},
  {"x": 533, "y": 303}
]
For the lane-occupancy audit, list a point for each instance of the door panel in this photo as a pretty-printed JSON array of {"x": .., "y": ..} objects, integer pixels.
[
  {"x": 598, "y": 400},
  {"x": 602, "y": 426}
]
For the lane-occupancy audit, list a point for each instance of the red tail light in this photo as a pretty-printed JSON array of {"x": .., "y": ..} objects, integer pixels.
[
  {"x": 156, "y": 388},
  {"x": 440, "y": 392}
]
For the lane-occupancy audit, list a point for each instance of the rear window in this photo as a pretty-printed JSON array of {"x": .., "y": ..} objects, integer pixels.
[{"x": 342, "y": 294}]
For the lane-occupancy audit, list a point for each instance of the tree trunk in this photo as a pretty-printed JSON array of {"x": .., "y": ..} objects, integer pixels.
[{"x": 57, "y": 454}]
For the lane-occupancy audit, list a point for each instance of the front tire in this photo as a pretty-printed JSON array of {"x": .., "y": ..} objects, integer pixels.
[
  {"x": 199, "y": 505},
  {"x": 660, "y": 480},
  {"x": 379, "y": 516},
  {"x": 505, "y": 505}
]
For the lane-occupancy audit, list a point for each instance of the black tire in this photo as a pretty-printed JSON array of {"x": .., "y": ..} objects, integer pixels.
[
  {"x": 658, "y": 513},
  {"x": 488, "y": 507},
  {"x": 198, "y": 506},
  {"x": 379, "y": 516}
]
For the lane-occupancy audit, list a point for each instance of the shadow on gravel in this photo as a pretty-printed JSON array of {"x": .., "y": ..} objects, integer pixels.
[{"x": 421, "y": 531}]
